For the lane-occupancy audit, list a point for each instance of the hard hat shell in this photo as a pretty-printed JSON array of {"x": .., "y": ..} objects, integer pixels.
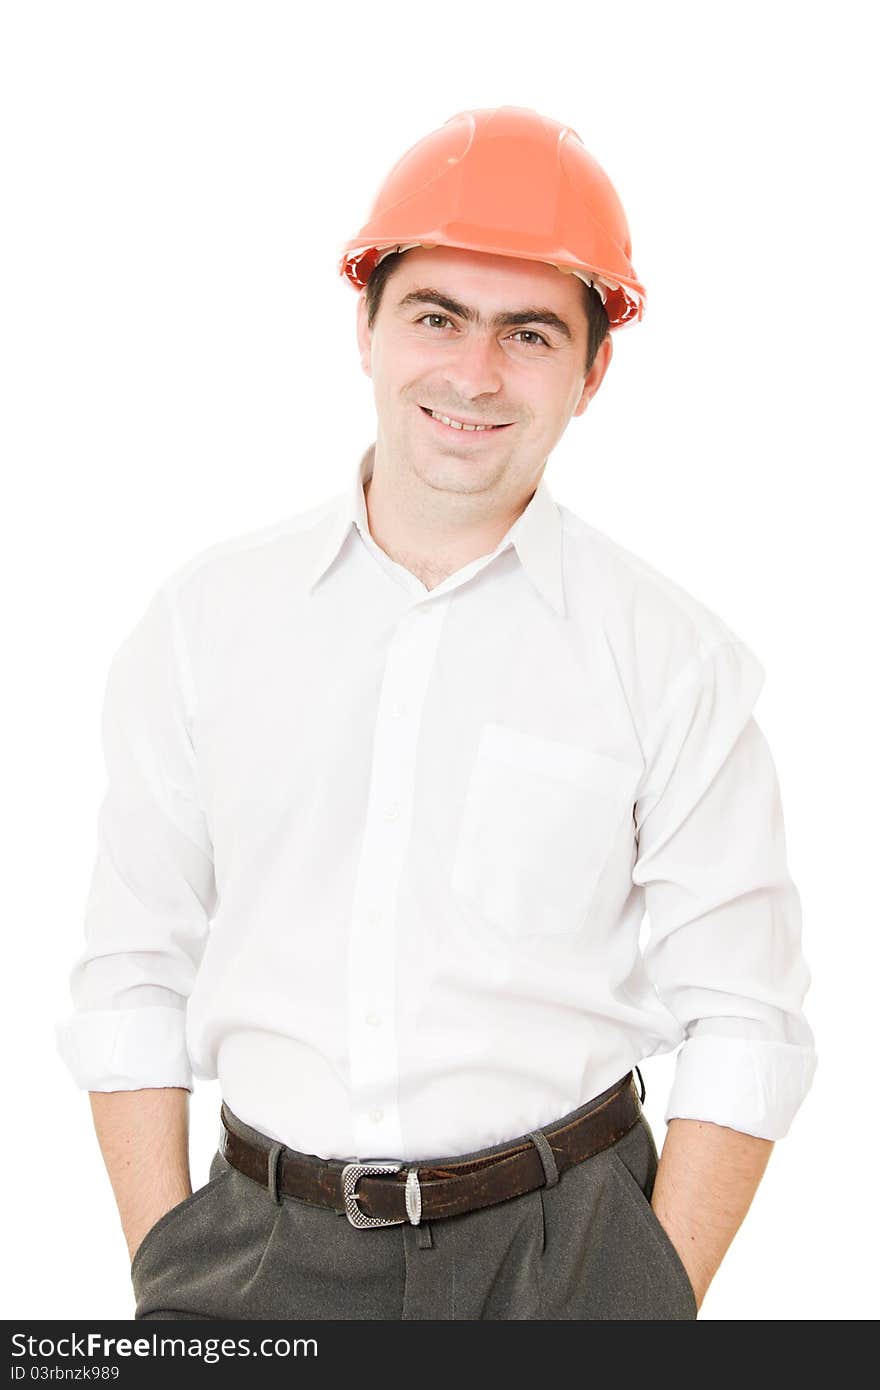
[{"x": 509, "y": 181}]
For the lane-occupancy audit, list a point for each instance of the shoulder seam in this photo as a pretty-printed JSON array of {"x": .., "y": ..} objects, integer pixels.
[
  {"x": 181, "y": 658},
  {"x": 682, "y": 682}
]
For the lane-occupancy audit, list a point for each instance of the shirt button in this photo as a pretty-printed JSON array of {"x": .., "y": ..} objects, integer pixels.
[
  {"x": 396, "y": 711},
  {"x": 375, "y": 1116},
  {"x": 392, "y": 813},
  {"x": 374, "y": 1020}
]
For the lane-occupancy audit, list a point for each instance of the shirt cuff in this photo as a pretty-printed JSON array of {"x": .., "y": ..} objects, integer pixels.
[
  {"x": 126, "y": 1049},
  {"x": 746, "y": 1084}
]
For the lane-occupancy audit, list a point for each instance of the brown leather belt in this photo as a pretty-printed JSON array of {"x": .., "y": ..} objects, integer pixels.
[{"x": 384, "y": 1193}]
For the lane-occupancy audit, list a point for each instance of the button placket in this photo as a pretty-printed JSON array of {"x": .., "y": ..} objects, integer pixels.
[{"x": 372, "y": 960}]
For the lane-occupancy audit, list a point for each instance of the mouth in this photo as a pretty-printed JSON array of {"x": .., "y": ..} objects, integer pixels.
[{"x": 463, "y": 430}]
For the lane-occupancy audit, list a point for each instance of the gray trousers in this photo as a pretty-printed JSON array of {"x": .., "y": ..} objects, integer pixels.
[{"x": 586, "y": 1245}]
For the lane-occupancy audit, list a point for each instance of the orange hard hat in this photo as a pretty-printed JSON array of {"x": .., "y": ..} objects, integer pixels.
[{"x": 512, "y": 182}]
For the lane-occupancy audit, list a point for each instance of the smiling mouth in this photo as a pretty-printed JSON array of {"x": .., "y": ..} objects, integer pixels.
[{"x": 460, "y": 427}]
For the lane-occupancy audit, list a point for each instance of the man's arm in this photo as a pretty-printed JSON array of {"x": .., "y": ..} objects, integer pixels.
[
  {"x": 724, "y": 950},
  {"x": 144, "y": 1138},
  {"x": 706, "y": 1179},
  {"x": 147, "y": 920}
]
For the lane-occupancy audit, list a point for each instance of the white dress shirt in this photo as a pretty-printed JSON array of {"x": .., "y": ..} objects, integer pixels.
[{"x": 377, "y": 856}]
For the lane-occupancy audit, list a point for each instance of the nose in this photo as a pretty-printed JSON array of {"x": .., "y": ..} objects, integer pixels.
[{"x": 474, "y": 368}]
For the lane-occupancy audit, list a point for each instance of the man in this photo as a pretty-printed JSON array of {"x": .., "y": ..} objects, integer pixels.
[{"x": 392, "y": 784}]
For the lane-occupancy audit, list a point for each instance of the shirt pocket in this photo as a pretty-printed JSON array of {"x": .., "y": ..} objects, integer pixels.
[{"x": 539, "y": 821}]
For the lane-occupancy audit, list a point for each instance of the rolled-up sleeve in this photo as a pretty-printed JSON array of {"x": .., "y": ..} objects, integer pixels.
[
  {"x": 723, "y": 948},
  {"x": 152, "y": 889}
]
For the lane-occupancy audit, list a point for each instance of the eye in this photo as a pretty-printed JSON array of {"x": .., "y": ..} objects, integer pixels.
[{"x": 530, "y": 332}]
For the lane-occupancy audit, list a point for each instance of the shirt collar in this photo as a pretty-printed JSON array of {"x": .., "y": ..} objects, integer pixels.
[{"x": 536, "y": 534}]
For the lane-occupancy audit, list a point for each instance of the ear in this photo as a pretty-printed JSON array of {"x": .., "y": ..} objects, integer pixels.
[
  {"x": 593, "y": 379},
  {"x": 364, "y": 334}
]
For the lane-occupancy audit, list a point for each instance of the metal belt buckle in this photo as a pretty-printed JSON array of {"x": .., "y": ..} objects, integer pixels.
[{"x": 352, "y": 1172}]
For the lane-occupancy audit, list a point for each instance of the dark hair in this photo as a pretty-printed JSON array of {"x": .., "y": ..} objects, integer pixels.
[{"x": 597, "y": 317}]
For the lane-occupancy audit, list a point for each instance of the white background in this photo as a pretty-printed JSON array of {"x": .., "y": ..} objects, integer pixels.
[{"x": 179, "y": 365}]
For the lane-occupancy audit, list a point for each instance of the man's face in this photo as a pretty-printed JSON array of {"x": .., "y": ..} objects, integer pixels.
[{"x": 525, "y": 373}]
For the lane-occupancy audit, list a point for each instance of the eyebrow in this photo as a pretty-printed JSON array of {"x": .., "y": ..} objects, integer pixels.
[{"x": 507, "y": 319}]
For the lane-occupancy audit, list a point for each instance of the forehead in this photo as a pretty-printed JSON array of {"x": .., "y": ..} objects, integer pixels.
[{"x": 506, "y": 278}]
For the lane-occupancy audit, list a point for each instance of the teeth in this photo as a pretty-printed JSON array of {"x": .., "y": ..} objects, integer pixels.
[{"x": 457, "y": 425}]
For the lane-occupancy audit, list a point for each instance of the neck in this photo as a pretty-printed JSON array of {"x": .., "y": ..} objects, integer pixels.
[{"x": 430, "y": 531}]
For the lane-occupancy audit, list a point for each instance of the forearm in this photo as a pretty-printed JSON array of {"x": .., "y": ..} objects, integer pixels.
[
  {"x": 144, "y": 1139},
  {"x": 706, "y": 1179}
]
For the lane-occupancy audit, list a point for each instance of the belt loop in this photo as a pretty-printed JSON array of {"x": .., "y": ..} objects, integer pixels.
[
  {"x": 423, "y": 1238},
  {"x": 274, "y": 1155},
  {"x": 547, "y": 1156},
  {"x": 642, "y": 1080}
]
